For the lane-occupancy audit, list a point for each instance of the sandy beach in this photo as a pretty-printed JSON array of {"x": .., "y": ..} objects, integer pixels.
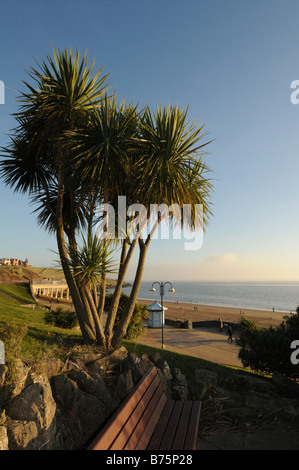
[{"x": 187, "y": 311}]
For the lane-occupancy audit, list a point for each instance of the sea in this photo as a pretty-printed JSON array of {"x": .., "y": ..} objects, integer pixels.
[{"x": 282, "y": 296}]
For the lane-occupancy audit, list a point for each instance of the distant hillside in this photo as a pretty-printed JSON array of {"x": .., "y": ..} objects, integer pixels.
[
  {"x": 17, "y": 274},
  {"x": 11, "y": 274}
]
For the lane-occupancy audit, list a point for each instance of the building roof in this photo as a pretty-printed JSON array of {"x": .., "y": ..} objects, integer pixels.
[{"x": 156, "y": 307}]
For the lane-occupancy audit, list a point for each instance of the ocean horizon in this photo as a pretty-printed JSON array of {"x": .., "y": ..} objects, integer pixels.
[{"x": 283, "y": 296}]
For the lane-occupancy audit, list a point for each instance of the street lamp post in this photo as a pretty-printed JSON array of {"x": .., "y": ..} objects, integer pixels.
[{"x": 171, "y": 291}]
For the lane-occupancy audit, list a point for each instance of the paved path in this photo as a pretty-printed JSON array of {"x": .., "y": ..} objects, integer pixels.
[{"x": 208, "y": 344}]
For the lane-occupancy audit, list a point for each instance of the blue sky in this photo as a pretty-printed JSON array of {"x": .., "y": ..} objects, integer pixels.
[{"x": 232, "y": 62}]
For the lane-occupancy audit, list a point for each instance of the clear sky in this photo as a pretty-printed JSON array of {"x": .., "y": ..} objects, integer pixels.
[{"x": 232, "y": 62}]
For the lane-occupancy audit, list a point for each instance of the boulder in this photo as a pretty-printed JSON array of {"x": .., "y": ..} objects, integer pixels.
[
  {"x": 20, "y": 374},
  {"x": 161, "y": 364},
  {"x": 124, "y": 385},
  {"x": 94, "y": 384},
  {"x": 22, "y": 435},
  {"x": 138, "y": 366},
  {"x": 81, "y": 413},
  {"x": 179, "y": 385},
  {"x": 49, "y": 367},
  {"x": 108, "y": 362},
  {"x": 35, "y": 403},
  {"x": 3, "y": 438}
]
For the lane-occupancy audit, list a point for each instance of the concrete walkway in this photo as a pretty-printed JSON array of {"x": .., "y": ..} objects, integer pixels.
[{"x": 205, "y": 343}]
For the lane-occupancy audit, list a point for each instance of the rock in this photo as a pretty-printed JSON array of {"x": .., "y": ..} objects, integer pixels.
[
  {"x": 93, "y": 384},
  {"x": 83, "y": 412},
  {"x": 86, "y": 357},
  {"x": 204, "y": 381},
  {"x": 161, "y": 364},
  {"x": 35, "y": 403},
  {"x": 19, "y": 377},
  {"x": 3, "y": 438},
  {"x": 109, "y": 362},
  {"x": 138, "y": 366},
  {"x": 124, "y": 385},
  {"x": 64, "y": 391},
  {"x": 146, "y": 361},
  {"x": 179, "y": 385},
  {"x": 3, "y": 371},
  {"x": 50, "y": 367},
  {"x": 21, "y": 435}
]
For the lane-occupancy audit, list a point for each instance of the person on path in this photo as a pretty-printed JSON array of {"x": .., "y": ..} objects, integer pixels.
[
  {"x": 220, "y": 325},
  {"x": 230, "y": 334}
]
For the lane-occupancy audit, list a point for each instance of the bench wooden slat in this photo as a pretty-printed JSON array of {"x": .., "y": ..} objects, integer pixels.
[
  {"x": 181, "y": 431},
  {"x": 191, "y": 437},
  {"x": 106, "y": 437},
  {"x": 139, "y": 430},
  {"x": 154, "y": 419},
  {"x": 171, "y": 426},
  {"x": 158, "y": 434},
  {"x": 130, "y": 426}
]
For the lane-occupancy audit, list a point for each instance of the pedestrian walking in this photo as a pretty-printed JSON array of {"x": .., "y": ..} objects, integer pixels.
[
  {"x": 220, "y": 325},
  {"x": 230, "y": 334}
]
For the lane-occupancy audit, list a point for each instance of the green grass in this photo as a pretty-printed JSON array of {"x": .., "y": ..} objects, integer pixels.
[
  {"x": 21, "y": 293},
  {"x": 41, "y": 339},
  {"x": 51, "y": 273}
]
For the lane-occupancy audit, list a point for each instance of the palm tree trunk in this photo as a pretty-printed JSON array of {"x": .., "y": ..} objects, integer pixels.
[
  {"x": 123, "y": 324},
  {"x": 101, "y": 303},
  {"x": 83, "y": 317},
  {"x": 100, "y": 336},
  {"x": 125, "y": 261}
]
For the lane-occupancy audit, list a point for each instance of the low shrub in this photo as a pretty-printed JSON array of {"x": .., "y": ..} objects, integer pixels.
[
  {"x": 140, "y": 314},
  {"x": 62, "y": 318},
  {"x": 269, "y": 350}
]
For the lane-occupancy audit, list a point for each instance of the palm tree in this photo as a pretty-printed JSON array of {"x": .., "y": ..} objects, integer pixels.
[
  {"x": 104, "y": 151},
  {"x": 171, "y": 172},
  {"x": 74, "y": 148},
  {"x": 35, "y": 162}
]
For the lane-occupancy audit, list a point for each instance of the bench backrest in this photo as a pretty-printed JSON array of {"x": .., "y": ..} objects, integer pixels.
[{"x": 133, "y": 423}]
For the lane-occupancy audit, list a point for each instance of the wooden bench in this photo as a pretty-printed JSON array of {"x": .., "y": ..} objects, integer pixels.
[{"x": 148, "y": 420}]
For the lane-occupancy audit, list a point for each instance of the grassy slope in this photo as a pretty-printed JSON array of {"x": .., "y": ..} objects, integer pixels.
[
  {"x": 20, "y": 293},
  {"x": 41, "y": 339}
]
